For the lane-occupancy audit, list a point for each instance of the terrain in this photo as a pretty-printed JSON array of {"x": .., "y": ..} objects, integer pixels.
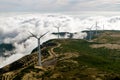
[{"x": 70, "y": 59}]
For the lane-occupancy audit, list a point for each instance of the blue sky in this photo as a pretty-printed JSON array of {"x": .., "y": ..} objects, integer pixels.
[{"x": 58, "y": 5}]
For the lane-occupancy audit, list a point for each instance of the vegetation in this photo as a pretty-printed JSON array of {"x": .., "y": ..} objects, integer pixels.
[
  {"x": 89, "y": 64},
  {"x": 77, "y": 60},
  {"x": 102, "y": 58}
]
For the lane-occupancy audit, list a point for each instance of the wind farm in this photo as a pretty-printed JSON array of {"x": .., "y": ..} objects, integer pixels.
[
  {"x": 59, "y": 40},
  {"x": 79, "y": 49}
]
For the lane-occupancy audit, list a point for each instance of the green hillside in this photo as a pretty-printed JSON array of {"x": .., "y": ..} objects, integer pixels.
[
  {"x": 106, "y": 36},
  {"x": 77, "y": 60},
  {"x": 70, "y": 59}
]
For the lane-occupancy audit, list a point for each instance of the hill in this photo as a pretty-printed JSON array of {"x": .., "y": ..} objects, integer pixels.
[
  {"x": 68, "y": 59},
  {"x": 106, "y": 36}
]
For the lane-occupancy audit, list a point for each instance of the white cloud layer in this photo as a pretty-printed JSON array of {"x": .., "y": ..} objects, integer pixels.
[
  {"x": 59, "y": 5},
  {"x": 14, "y": 29}
]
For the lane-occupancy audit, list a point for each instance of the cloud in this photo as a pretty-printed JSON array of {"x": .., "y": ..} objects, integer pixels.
[
  {"x": 62, "y": 2},
  {"x": 12, "y": 29},
  {"x": 15, "y": 30},
  {"x": 59, "y": 5},
  {"x": 96, "y": 5}
]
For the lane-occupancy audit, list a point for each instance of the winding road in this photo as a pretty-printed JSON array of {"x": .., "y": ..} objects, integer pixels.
[{"x": 52, "y": 59}]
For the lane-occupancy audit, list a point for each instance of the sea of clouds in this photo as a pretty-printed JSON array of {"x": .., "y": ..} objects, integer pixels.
[{"x": 15, "y": 29}]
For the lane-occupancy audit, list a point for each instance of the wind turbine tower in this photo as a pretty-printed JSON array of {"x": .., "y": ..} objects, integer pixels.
[
  {"x": 103, "y": 27},
  {"x": 90, "y": 32},
  {"x": 96, "y": 26},
  {"x": 37, "y": 23},
  {"x": 58, "y": 25},
  {"x": 39, "y": 48},
  {"x": 58, "y": 28}
]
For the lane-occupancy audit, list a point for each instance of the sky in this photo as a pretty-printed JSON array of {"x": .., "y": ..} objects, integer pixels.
[{"x": 58, "y": 5}]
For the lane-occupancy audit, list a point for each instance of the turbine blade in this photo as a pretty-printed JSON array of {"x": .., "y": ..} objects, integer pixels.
[
  {"x": 91, "y": 26},
  {"x": 44, "y": 34},
  {"x": 33, "y": 34}
]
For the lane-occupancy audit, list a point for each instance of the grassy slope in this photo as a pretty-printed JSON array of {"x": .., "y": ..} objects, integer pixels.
[
  {"x": 108, "y": 37},
  {"x": 101, "y": 58},
  {"x": 77, "y": 60},
  {"x": 90, "y": 63}
]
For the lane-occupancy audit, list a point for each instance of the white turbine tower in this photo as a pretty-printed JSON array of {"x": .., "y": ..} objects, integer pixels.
[
  {"x": 96, "y": 26},
  {"x": 58, "y": 25},
  {"x": 90, "y": 32},
  {"x": 103, "y": 27},
  {"x": 58, "y": 28},
  {"x": 36, "y": 23},
  {"x": 39, "y": 48}
]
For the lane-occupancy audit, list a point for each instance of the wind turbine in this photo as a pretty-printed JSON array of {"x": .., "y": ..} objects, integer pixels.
[
  {"x": 60, "y": 24},
  {"x": 103, "y": 27},
  {"x": 96, "y": 26},
  {"x": 39, "y": 48},
  {"x": 58, "y": 28},
  {"x": 90, "y": 32}
]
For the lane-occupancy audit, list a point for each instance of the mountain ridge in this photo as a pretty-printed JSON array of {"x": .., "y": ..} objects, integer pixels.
[{"x": 69, "y": 61}]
